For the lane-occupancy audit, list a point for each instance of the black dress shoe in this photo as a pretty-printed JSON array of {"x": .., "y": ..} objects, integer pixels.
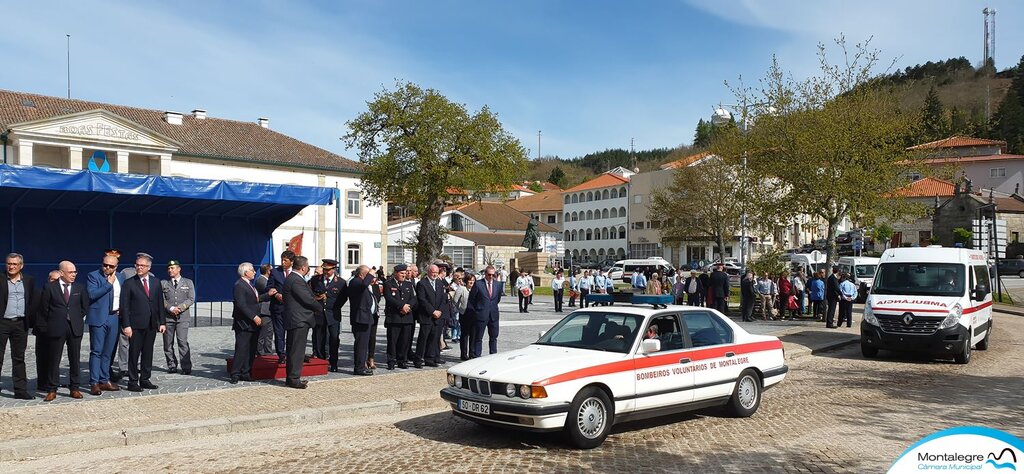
[
  {"x": 134, "y": 387},
  {"x": 301, "y": 385},
  {"x": 391, "y": 366},
  {"x": 334, "y": 369},
  {"x": 233, "y": 380},
  {"x": 418, "y": 364},
  {"x": 172, "y": 370},
  {"x": 431, "y": 364},
  {"x": 245, "y": 378},
  {"x": 403, "y": 365},
  {"x": 464, "y": 357},
  {"x": 186, "y": 371},
  {"x": 362, "y": 372},
  {"x": 24, "y": 396},
  {"x": 146, "y": 384},
  {"x": 115, "y": 376}
]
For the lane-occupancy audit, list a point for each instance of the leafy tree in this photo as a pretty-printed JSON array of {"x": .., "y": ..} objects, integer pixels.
[
  {"x": 830, "y": 146},
  {"x": 416, "y": 144},
  {"x": 933, "y": 118},
  {"x": 962, "y": 236},
  {"x": 535, "y": 186},
  {"x": 702, "y": 136},
  {"x": 883, "y": 233},
  {"x": 768, "y": 262},
  {"x": 1008, "y": 122},
  {"x": 557, "y": 177}
]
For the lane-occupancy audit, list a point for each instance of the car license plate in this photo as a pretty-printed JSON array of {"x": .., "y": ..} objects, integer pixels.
[{"x": 475, "y": 407}]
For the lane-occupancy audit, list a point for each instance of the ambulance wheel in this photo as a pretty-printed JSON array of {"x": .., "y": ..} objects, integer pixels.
[
  {"x": 746, "y": 397},
  {"x": 867, "y": 351},
  {"x": 590, "y": 418},
  {"x": 983, "y": 345},
  {"x": 965, "y": 355}
]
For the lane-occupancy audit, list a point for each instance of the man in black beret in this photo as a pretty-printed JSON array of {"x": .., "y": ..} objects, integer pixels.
[
  {"x": 399, "y": 304},
  {"x": 331, "y": 292}
]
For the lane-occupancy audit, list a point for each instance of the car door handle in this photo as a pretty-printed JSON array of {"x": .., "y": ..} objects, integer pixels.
[
  {"x": 684, "y": 360},
  {"x": 730, "y": 354}
]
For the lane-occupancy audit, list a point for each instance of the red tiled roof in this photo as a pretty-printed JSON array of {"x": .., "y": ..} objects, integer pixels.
[
  {"x": 499, "y": 216},
  {"x": 926, "y": 187},
  {"x": 605, "y": 180},
  {"x": 208, "y": 138},
  {"x": 1009, "y": 204},
  {"x": 546, "y": 201},
  {"x": 957, "y": 142},
  {"x": 972, "y": 159},
  {"x": 685, "y": 161}
]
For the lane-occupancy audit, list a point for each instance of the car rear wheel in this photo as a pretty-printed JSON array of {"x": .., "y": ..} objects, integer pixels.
[
  {"x": 965, "y": 355},
  {"x": 1021, "y": 274},
  {"x": 590, "y": 418},
  {"x": 746, "y": 397},
  {"x": 868, "y": 351}
]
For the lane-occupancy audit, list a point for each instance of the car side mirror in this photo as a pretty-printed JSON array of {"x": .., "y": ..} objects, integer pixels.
[
  {"x": 980, "y": 292},
  {"x": 649, "y": 346}
]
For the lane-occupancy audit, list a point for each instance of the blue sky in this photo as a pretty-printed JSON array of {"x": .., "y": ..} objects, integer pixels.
[{"x": 590, "y": 75}]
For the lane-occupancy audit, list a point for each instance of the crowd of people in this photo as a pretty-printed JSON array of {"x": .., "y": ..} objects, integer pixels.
[
  {"x": 273, "y": 313},
  {"x": 789, "y": 296}
]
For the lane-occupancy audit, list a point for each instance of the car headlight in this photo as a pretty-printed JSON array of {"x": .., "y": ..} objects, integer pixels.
[
  {"x": 510, "y": 390},
  {"x": 458, "y": 381},
  {"x": 451, "y": 380},
  {"x": 953, "y": 318},
  {"x": 525, "y": 391},
  {"x": 869, "y": 315}
]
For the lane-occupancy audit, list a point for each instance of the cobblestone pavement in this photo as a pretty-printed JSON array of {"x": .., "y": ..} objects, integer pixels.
[
  {"x": 211, "y": 345},
  {"x": 836, "y": 412}
]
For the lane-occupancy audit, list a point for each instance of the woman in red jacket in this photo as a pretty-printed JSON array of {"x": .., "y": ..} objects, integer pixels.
[{"x": 785, "y": 288}]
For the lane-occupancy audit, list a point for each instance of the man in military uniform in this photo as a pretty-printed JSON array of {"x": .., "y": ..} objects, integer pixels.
[
  {"x": 179, "y": 296},
  {"x": 330, "y": 290},
  {"x": 399, "y": 303}
]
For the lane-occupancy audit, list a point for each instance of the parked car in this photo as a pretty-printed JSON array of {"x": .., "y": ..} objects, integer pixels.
[
  {"x": 601, "y": 366},
  {"x": 1011, "y": 267}
]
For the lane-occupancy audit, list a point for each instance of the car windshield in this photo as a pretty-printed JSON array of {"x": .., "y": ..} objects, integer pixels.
[
  {"x": 865, "y": 271},
  {"x": 611, "y": 332},
  {"x": 923, "y": 279}
]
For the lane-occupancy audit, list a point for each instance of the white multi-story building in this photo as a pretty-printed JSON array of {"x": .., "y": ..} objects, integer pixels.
[
  {"x": 595, "y": 218},
  {"x": 55, "y": 132}
]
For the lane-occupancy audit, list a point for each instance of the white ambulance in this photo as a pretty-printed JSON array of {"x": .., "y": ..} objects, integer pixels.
[{"x": 934, "y": 300}]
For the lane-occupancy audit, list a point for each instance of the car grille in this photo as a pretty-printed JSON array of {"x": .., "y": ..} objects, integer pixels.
[
  {"x": 481, "y": 387},
  {"x": 893, "y": 323}
]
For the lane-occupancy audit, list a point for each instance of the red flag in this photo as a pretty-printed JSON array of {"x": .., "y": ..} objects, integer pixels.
[{"x": 295, "y": 245}]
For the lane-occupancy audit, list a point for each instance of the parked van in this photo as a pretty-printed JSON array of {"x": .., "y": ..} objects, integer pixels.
[
  {"x": 808, "y": 262},
  {"x": 623, "y": 269},
  {"x": 863, "y": 271},
  {"x": 934, "y": 300}
]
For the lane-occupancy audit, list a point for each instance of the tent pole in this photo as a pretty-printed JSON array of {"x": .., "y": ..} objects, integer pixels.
[
  {"x": 337, "y": 225},
  {"x": 195, "y": 266}
]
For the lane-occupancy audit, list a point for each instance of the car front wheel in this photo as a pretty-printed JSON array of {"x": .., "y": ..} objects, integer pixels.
[
  {"x": 746, "y": 397},
  {"x": 965, "y": 355},
  {"x": 590, "y": 418},
  {"x": 1021, "y": 274}
]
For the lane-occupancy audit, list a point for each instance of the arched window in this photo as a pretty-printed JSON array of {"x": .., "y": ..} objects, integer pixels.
[
  {"x": 567, "y": 199},
  {"x": 604, "y": 234},
  {"x": 604, "y": 213},
  {"x": 573, "y": 235},
  {"x": 566, "y": 217},
  {"x": 622, "y": 212},
  {"x": 597, "y": 196},
  {"x": 590, "y": 215},
  {"x": 575, "y": 254},
  {"x": 574, "y": 216},
  {"x": 611, "y": 252},
  {"x": 590, "y": 196},
  {"x": 604, "y": 194},
  {"x": 622, "y": 232},
  {"x": 622, "y": 192},
  {"x": 615, "y": 193},
  {"x": 600, "y": 253},
  {"x": 566, "y": 236},
  {"x": 622, "y": 253},
  {"x": 590, "y": 236},
  {"x": 615, "y": 213}
]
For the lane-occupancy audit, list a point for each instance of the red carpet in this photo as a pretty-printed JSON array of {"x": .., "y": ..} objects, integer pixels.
[{"x": 266, "y": 367}]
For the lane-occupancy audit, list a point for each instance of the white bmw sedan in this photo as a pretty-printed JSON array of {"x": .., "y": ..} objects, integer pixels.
[{"x": 601, "y": 366}]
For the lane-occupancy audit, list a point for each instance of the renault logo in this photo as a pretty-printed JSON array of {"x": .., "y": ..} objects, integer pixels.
[{"x": 908, "y": 319}]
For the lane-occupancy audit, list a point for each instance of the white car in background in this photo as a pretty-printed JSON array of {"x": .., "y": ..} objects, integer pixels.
[{"x": 598, "y": 366}]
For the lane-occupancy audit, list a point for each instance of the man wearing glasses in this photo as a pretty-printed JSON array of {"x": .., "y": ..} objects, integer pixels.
[
  {"x": 17, "y": 302},
  {"x": 61, "y": 320},
  {"x": 104, "y": 287},
  {"x": 484, "y": 298},
  {"x": 142, "y": 317}
]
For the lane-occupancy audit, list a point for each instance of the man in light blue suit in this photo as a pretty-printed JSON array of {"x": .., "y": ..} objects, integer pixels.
[{"x": 104, "y": 287}]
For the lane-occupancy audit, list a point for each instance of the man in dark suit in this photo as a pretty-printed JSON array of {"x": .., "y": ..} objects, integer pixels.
[
  {"x": 719, "y": 281},
  {"x": 484, "y": 299},
  {"x": 364, "y": 317},
  {"x": 361, "y": 278},
  {"x": 399, "y": 307},
  {"x": 18, "y": 303},
  {"x": 104, "y": 286},
  {"x": 832, "y": 295},
  {"x": 277, "y": 279},
  {"x": 265, "y": 342},
  {"x": 332, "y": 292},
  {"x": 747, "y": 296},
  {"x": 693, "y": 287},
  {"x": 246, "y": 321},
  {"x": 62, "y": 319},
  {"x": 431, "y": 304},
  {"x": 301, "y": 310},
  {"x": 142, "y": 316}
]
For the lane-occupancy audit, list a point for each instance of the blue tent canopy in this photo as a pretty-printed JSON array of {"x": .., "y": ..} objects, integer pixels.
[{"x": 208, "y": 226}]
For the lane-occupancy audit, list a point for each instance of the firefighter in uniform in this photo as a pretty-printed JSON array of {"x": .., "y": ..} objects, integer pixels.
[{"x": 399, "y": 304}]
